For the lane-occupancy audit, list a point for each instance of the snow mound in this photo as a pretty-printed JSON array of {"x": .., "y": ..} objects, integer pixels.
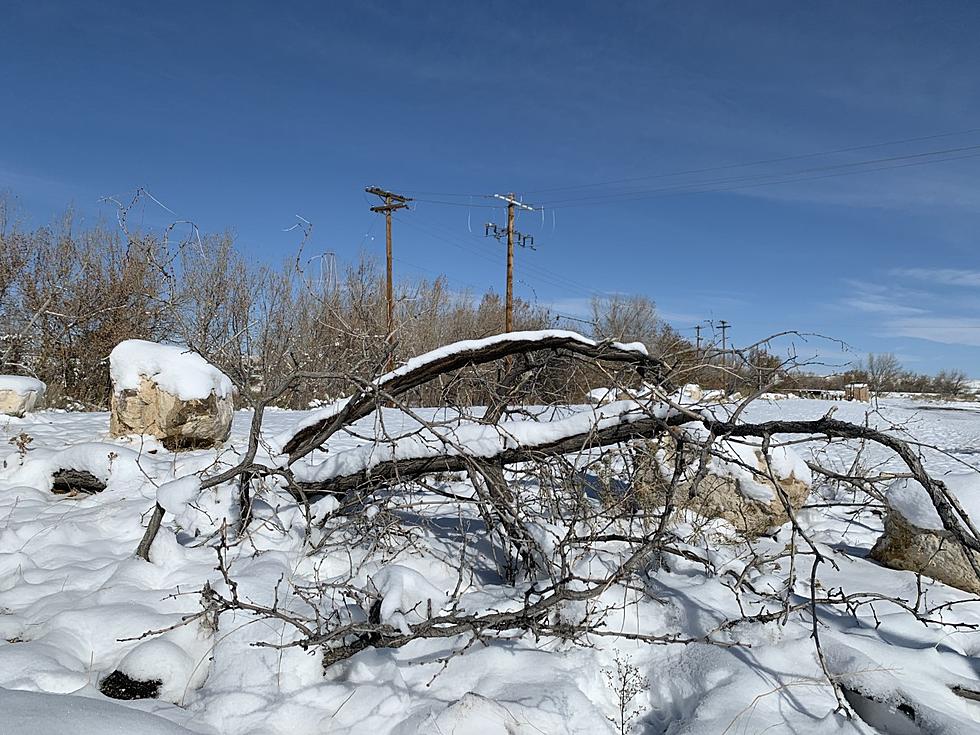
[
  {"x": 160, "y": 660},
  {"x": 21, "y": 385},
  {"x": 910, "y": 499},
  {"x": 176, "y": 495},
  {"x": 406, "y": 596},
  {"x": 737, "y": 460},
  {"x": 471, "y": 715},
  {"x": 33, "y": 713},
  {"x": 118, "y": 467},
  {"x": 175, "y": 369}
]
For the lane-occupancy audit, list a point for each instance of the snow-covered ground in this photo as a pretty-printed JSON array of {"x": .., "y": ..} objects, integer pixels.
[{"x": 75, "y": 601}]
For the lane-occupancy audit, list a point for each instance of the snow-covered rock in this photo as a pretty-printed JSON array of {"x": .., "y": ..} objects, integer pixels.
[
  {"x": 737, "y": 486},
  {"x": 168, "y": 392},
  {"x": 19, "y": 394},
  {"x": 914, "y": 537}
]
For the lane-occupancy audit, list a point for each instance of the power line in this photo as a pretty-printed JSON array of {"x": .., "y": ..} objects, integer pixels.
[
  {"x": 762, "y": 162},
  {"x": 551, "y": 277},
  {"x": 836, "y": 169},
  {"x": 777, "y": 178}
]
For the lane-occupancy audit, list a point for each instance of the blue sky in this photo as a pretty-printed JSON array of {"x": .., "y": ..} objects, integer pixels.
[{"x": 241, "y": 116}]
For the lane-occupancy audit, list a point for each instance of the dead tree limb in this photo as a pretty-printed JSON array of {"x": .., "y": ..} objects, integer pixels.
[{"x": 427, "y": 367}]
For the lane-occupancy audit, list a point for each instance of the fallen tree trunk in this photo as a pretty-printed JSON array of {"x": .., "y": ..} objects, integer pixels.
[
  {"x": 73, "y": 481},
  {"x": 431, "y": 365},
  {"x": 635, "y": 425},
  {"x": 406, "y": 469}
]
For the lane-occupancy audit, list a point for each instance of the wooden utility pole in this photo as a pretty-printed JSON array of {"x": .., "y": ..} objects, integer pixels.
[
  {"x": 512, "y": 235},
  {"x": 697, "y": 331},
  {"x": 392, "y": 202},
  {"x": 723, "y": 326}
]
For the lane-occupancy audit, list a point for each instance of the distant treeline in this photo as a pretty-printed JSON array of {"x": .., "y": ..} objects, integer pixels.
[{"x": 68, "y": 295}]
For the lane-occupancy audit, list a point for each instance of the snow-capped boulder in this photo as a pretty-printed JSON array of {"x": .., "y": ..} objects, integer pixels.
[
  {"x": 914, "y": 537},
  {"x": 731, "y": 490},
  {"x": 169, "y": 392},
  {"x": 19, "y": 394}
]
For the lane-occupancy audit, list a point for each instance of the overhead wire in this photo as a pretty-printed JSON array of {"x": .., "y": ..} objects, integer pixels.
[
  {"x": 762, "y": 162},
  {"x": 556, "y": 278},
  {"x": 553, "y": 279},
  {"x": 775, "y": 178},
  {"x": 697, "y": 186}
]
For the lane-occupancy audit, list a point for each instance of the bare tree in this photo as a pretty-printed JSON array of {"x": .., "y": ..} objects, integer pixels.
[{"x": 883, "y": 372}]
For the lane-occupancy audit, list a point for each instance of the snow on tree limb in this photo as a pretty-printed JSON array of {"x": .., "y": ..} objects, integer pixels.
[{"x": 312, "y": 432}]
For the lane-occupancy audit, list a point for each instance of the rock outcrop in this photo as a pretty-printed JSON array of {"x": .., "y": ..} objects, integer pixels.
[
  {"x": 170, "y": 393},
  {"x": 19, "y": 394}
]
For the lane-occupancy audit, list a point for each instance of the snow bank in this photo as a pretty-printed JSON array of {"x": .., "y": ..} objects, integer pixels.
[
  {"x": 910, "y": 499},
  {"x": 118, "y": 467},
  {"x": 175, "y": 369},
  {"x": 34, "y": 713},
  {"x": 21, "y": 385}
]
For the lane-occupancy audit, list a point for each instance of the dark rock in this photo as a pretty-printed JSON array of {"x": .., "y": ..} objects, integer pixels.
[{"x": 119, "y": 686}]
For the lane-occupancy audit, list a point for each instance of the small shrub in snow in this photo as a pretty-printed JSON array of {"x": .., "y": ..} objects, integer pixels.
[{"x": 627, "y": 683}]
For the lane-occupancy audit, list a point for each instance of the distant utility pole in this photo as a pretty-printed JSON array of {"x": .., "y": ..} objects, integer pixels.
[
  {"x": 723, "y": 326},
  {"x": 392, "y": 202},
  {"x": 512, "y": 234},
  {"x": 697, "y": 331}
]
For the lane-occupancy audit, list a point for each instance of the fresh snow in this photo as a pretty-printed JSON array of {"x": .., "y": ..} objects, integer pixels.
[
  {"x": 75, "y": 602},
  {"x": 910, "y": 499},
  {"x": 21, "y": 385},
  {"x": 176, "y": 369},
  {"x": 38, "y": 713}
]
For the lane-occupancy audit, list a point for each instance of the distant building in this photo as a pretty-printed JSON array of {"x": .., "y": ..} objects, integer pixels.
[{"x": 857, "y": 392}]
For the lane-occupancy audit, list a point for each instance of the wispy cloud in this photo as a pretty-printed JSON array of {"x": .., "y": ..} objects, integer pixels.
[
  {"x": 878, "y": 304},
  {"x": 945, "y": 330},
  {"x": 940, "y": 276}
]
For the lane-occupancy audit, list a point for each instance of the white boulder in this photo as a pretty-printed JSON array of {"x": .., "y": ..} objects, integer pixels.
[
  {"x": 19, "y": 394},
  {"x": 169, "y": 392}
]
